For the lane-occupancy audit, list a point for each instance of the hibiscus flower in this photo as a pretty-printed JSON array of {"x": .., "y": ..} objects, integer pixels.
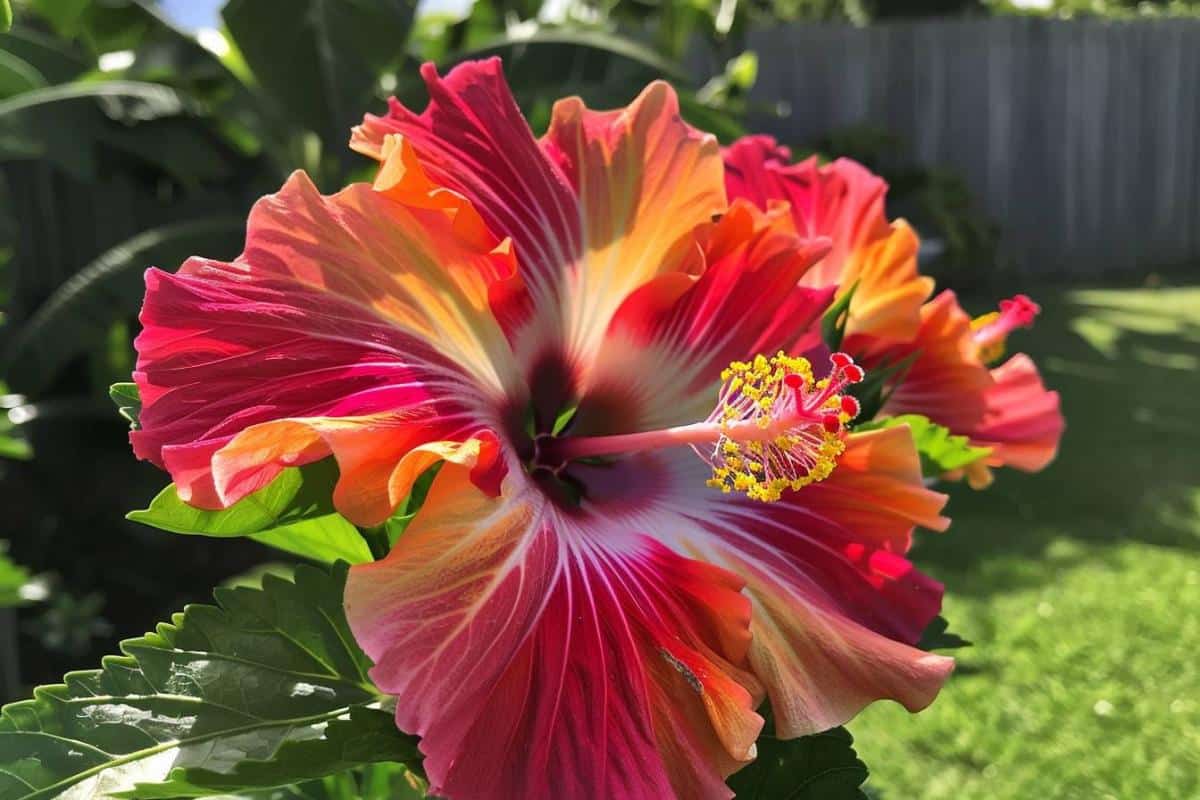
[
  {"x": 940, "y": 355},
  {"x": 650, "y": 514}
]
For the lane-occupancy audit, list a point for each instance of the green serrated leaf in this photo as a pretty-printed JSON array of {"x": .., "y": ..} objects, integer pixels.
[
  {"x": 264, "y": 689},
  {"x": 941, "y": 451},
  {"x": 128, "y": 400},
  {"x": 937, "y": 636},
  {"x": 833, "y": 323},
  {"x": 294, "y": 513},
  {"x": 819, "y": 767}
]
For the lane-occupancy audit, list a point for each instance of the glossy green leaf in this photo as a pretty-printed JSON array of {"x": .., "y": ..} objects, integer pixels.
[
  {"x": 11, "y": 445},
  {"x": 54, "y": 59},
  {"x": 372, "y": 782},
  {"x": 64, "y": 16},
  {"x": 612, "y": 45},
  {"x": 833, "y": 323},
  {"x": 819, "y": 767},
  {"x": 293, "y": 513},
  {"x": 938, "y": 636},
  {"x": 6, "y": 16},
  {"x": 264, "y": 689},
  {"x": 154, "y": 124},
  {"x": 941, "y": 451},
  {"x": 17, "y": 75},
  {"x": 106, "y": 290},
  {"x": 128, "y": 400}
]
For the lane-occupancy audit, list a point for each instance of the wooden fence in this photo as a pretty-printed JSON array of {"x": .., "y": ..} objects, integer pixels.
[{"x": 1080, "y": 138}]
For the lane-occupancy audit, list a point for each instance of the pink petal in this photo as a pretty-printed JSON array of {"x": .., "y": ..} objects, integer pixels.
[
  {"x": 645, "y": 180},
  {"x": 473, "y": 140},
  {"x": 539, "y": 659},
  {"x": 351, "y": 326},
  {"x": 843, "y": 201},
  {"x": 1007, "y": 408},
  {"x": 835, "y": 611},
  {"x": 1022, "y": 421},
  {"x": 670, "y": 339}
]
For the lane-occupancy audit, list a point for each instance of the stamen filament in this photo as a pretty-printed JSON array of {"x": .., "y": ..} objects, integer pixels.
[
  {"x": 774, "y": 427},
  {"x": 698, "y": 433}
]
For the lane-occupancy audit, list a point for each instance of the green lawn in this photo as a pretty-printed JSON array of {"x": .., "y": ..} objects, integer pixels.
[{"x": 1080, "y": 587}]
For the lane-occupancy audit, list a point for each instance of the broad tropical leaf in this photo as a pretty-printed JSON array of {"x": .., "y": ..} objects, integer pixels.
[
  {"x": 320, "y": 60},
  {"x": 620, "y": 47},
  {"x": 294, "y": 513},
  {"x": 372, "y": 782},
  {"x": 264, "y": 689},
  {"x": 938, "y": 636},
  {"x": 819, "y": 767},
  {"x": 150, "y": 122},
  {"x": 17, "y": 75},
  {"x": 53, "y": 59}
]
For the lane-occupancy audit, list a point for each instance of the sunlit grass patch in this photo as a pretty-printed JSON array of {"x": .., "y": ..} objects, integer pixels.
[{"x": 1079, "y": 587}]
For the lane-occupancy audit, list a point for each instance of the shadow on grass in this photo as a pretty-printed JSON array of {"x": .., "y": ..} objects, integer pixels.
[{"x": 1127, "y": 364}]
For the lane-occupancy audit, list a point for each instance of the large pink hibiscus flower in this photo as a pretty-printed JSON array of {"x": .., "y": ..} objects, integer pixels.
[{"x": 594, "y": 598}]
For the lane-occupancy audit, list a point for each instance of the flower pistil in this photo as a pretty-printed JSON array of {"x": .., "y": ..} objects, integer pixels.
[{"x": 775, "y": 427}]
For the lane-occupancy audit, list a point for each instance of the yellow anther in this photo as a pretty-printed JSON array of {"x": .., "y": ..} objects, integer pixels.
[{"x": 779, "y": 395}]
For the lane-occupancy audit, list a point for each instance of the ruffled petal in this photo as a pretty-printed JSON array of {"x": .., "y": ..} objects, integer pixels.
[
  {"x": 877, "y": 491},
  {"x": 1007, "y": 409},
  {"x": 945, "y": 381},
  {"x": 595, "y": 210},
  {"x": 668, "y": 342},
  {"x": 540, "y": 659},
  {"x": 645, "y": 179},
  {"x": 843, "y": 201},
  {"x": 1022, "y": 420},
  {"x": 820, "y": 666},
  {"x": 836, "y": 607},
  {"x": 351, "y": 326},
  {"x": 472, "y": 140}
]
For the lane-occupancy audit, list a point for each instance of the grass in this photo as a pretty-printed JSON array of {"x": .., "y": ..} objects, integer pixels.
[{"x": 1080, "y": 587}]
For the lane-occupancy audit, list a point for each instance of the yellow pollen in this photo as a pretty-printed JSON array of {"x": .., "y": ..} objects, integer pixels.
[{"x": 798, "y": 444}]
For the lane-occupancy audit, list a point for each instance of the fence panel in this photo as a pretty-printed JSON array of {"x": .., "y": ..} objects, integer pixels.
[{"x": 1081, "y": 138}]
